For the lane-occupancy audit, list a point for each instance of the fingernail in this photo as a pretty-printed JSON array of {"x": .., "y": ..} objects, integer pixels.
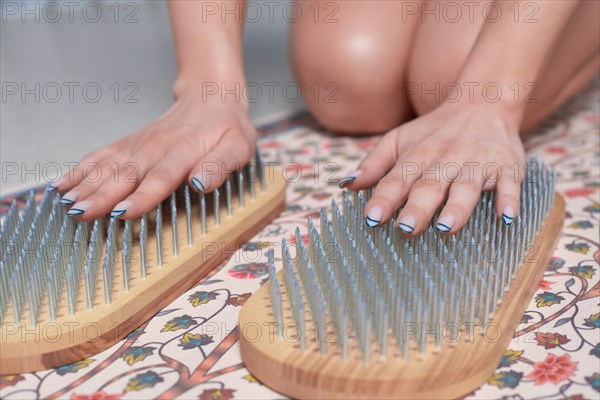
[
  {"x": 69, "y": 198},
  {"x": 374, "y": 217},
  {"x": 444, "y": 224},
  {"x": 348, "y": 178},
  {"x": 407, "y": 224},
  {"x": 79, "y": 208},
  {"x": 200, "y": 183},
  {"x": 508, "y": 214},
  {"x": 54, "y": 185},
  {"x": 120, "y": 209}
]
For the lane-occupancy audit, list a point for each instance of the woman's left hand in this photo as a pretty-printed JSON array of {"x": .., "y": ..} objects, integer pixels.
[{"x": 453, "y": 152}]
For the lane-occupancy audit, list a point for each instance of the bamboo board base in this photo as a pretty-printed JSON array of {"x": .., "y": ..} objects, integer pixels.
[
  {"x": 25, "y": 348},
  {"x": 455, "y": 370}
]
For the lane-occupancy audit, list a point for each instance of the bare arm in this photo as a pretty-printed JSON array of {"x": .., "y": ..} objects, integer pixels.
[
  {"x": 513, "y": 46},
  {"x": 471, "y": 143},
  {"x": 208, "y": 42},
  {"x": 201, "y": 138}
]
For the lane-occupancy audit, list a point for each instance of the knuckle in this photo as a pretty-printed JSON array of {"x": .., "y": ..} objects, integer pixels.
[
  {"x": 158, "y": 176},
  {"x": 388, "y": 202},
  {"x": 508, "y": 197},
  {"x": 394, "y": 177},
  {"x": 503, "y": 154},
  {"x": 484, "y": 151},
  {"x": 245, "y": 150},
  {"x": 417, "y": 210},
  {"x": 155, "y": 138},
  {"x": 371, "y": 162},
  {"x": 128, "y": 173},
  {"x": 432, "y": 184},
  {"x": 418, "y": 150},
  {"x": 210, "y": 164},
  {"x": 187, "y": 141},
  {"x": 461, "y": 211}
]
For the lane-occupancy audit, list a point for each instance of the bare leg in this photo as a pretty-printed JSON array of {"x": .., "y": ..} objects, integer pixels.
[
  {"x": 574, "y": 62},
  {"x": 441, "y": 48},
  {"x": 350, "y": 61}
]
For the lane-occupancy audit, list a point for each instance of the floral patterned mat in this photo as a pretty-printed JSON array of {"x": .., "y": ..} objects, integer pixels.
[{"x": 190, "y": 349}]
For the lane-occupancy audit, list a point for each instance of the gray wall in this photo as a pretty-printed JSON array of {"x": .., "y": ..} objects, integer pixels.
[{"x": 40, "y": 129}]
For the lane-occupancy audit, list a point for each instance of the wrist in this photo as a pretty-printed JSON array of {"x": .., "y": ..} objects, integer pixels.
[
  {"x": 507, "y": 100},
  {"x": 505, "y": 119},
  {"x": 211, "y": 90}
]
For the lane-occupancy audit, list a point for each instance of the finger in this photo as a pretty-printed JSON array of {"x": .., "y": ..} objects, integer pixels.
[
  {"x": 104, "y": 171},
  {"x": 160, "y": 181},
  {"x": 424, "y": 199},
  {"x": 462, "y": 198},
  {"x": 108, "y": 193},
  {"x": 122, "y": 174},
  {"x": 390, "y": 193},
  {"x": 212, "y": 169},
  {"x": 374, "y": 166},
  {"x": 508, "y": 199},
  {"x": 88, "y": 165}
]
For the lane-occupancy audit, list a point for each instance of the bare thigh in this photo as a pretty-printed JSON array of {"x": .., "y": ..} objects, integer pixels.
[
  {"x": 350, "y": 60},
  {"x": 441, "y": 48}
]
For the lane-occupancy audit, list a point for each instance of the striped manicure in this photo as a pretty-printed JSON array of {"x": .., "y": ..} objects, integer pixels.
[
  {"x": 348, "y": 178},
  {"x": 117, "y": 213},
  {"x": 374, "y": 217},
  {"x": 79, "y": 208},
  {"x": 508, "y": 215},
  {"x": 407, "y": 224},
  {"x": 54, "y": 185},
  {"x": 69, "y": 198},
  {"x": 73, "y": 212},
  {"x": 444, "y": 224},
  {"x": 120, "y": 209},
  {"x": 200, "y": 183}
]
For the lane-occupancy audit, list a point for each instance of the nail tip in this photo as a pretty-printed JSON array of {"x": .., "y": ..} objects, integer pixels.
[
  {"x": 371, "y": 223},
  {"x": 66, "y": 202},
  {"x": 198, "y": 185},
  {"x": 345, "y": 181},
  {"x": 507, "y": 219},
  {"x": 73, "y": 212},
  {"x": 117, "y": 213},
  {"x": 406, "y": 228},
  {"x": 442, "y": 227}
]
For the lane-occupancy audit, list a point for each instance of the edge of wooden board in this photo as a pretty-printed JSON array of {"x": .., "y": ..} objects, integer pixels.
[
  {"x": 67, "y": 339},
  {"x": 454, "y": 371}
]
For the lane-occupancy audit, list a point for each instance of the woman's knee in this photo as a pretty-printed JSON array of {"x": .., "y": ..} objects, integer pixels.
[{"x": 351, "y": 78}]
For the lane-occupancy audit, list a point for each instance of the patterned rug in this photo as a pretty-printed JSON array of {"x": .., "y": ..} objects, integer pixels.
[{"x": 190, "y": 349}]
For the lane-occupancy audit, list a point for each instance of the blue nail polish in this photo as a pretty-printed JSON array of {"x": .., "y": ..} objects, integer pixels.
[
  {"x": 117, "y": 213},
  {"x": 346, "y": 181},
  {"x": 73, "y": 212},
  {"x": 371, "y": 223},
  {"x": 405, "y": 228},
  {"x": 51, "y": 188},
  {"x": 442, "y": 228},
  {"x": 506, "y": 219},
  {"x": 198, "y": 185},
  {"x": 66, "y": 202}
]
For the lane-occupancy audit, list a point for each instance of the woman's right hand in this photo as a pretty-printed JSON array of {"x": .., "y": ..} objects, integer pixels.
[{"x": 197, "y": 138}]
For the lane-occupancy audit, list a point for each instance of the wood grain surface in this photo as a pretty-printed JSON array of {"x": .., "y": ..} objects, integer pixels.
[
  {"x": 26, "y": 348},
  {"x": 455, "y": 370}
]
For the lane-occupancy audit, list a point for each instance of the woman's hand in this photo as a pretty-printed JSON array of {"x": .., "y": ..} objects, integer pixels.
[
  {"x": 453, "y": 152},
  {"x": 198, "y": 139}
]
